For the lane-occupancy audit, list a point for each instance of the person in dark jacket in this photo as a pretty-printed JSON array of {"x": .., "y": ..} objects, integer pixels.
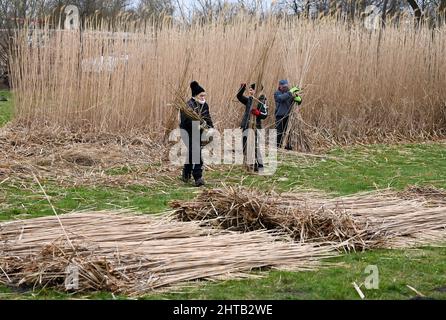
[
  {"x": 253, "y": 108},
  {"x": 194, "y": 163},
  {"x": 284, "y": 99}
]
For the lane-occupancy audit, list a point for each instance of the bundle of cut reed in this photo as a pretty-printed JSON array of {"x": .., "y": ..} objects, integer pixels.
[
  {"x": 181, "y": 105},
  {"x": 377, "y": 204},
  {"x": 370, "y": 220},
  {"x": 297, "y": 135},
  {"x": 430, "y": 193},
  {"x": 260, "y": 68},
  {"x": 241, "y": 209},
  {"x": 66, "y": 268},
  {"x": 135, "y": 254}
]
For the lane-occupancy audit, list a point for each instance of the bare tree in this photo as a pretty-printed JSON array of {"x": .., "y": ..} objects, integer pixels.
[
  {"x": 442, "y": 10},
  {"x": 149, "y": 8},
  {"x": 416, "y": 9},
  {"x": 14, "y": 14}
]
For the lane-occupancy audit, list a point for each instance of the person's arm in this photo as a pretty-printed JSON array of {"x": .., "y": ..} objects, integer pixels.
[
  {"x": 205, "y": 114},
  {"x": 185, "y": 122},
  {"x": 240, "y": 95},
  {"x": 282, "y": 97}
]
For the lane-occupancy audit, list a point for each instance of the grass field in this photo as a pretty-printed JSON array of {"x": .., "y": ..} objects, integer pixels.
[
  {"x": 344, "y": 171},
  {"x": 5, "y": 107}
]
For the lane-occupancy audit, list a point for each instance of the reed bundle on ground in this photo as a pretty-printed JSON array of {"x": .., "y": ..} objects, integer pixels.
[
  {"x": 356, "y": 222},
  {"x": 240, "y": 209},
  {"x": 57, "y": 262},
  {"x": 135, "y": 254},
  {"x": 434, "y": 195}
]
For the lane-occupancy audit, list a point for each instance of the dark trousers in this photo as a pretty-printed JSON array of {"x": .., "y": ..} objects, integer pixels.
[
  {"x": 258, "y": 157},
  {"x": 281, "y": 127},
  {"x": 193, "y": 167}
]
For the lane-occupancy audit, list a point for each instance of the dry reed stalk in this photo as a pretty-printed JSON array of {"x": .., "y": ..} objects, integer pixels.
[
  {"x": 411, "y": 199},
  {"x": 79, "y": 158},
  {"x": 50, "y": 268},
  {"x": 296, "y": 134},
  {"x": 135, "y": 254},
  {"x": 179, "y": 101},
  {"x": 181, "y": 105},
  {"x": 361, "y": 221},
  {"x": 259, "y": 67},
  {"x": 352, "y": 93},
  {"x": 430, "y": 193},
  {"x": 240, "y": 209}
]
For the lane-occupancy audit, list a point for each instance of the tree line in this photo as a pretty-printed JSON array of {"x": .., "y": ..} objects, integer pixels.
[{"x": 15, "y": 13}]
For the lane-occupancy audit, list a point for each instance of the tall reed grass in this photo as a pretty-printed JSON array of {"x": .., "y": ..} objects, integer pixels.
[{"x": 358, "y": 84}]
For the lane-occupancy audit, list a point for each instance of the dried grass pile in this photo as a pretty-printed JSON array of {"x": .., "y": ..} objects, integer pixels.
[
  {"x": 362, "y": 221},
  {"x": 242, "y": 209},
  {"x": 135, "y": 254},
  {"x": 77, "y": 158},
  {"x": 431, "y": 194},
  {"x": 54, "y": 265}
]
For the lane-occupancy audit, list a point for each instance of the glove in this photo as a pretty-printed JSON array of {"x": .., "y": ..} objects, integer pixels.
[
  {"x": 255, "y": 112},
  {"x": 242, "y": 85},
  {"x": 207, "y": 136},
  {"x": 294, "y": 90},
  {"x": 298, "y": 100},
  {"x": 203, "y": 125}
]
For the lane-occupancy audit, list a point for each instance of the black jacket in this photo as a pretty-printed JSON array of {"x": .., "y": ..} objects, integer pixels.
[
  {"x": 200, "y": 109},
  {"x": 247, "y": 101}
]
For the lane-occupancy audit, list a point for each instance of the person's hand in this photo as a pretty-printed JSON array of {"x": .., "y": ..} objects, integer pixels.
[
  {"x": 294, "y": 90},
  {"x": 243, "y": 85},
  {"x": 255, "y": 112},
  {"x": 298, "y": 99}
]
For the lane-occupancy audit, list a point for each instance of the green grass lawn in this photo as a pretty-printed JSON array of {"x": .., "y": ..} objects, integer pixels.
[
  {"x": 29, "y": 202},
  {"x": 354, "y": 169},
  {"x": 360, "y": 168},
  {"x": 345, "y": 171},
  {"x": 5, "y": 107}
]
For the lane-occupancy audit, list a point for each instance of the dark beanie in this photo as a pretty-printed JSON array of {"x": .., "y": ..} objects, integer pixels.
[
  {"x": 253, "y": 86},
  {"x": 196, "y": 88}
]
